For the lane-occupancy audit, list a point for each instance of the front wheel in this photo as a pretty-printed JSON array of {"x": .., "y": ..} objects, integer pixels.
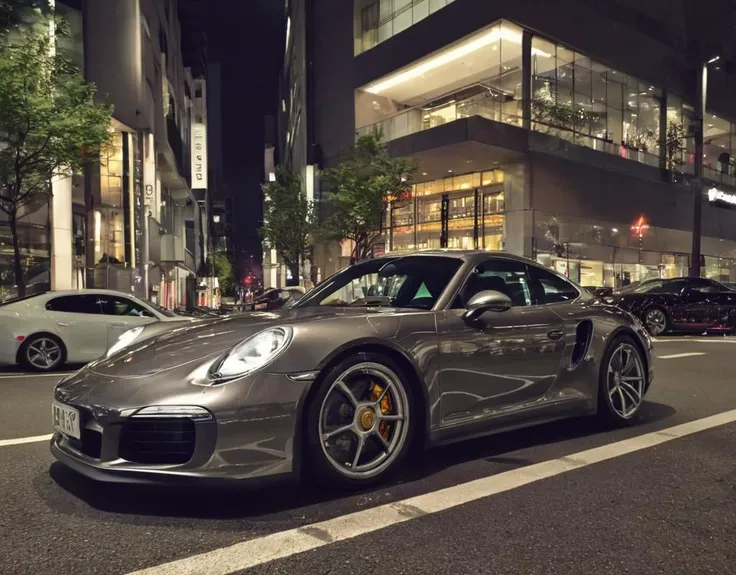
[
  {"x": 360, "y": 422},
  {"x": 42, "y": 353},
  {"x": 623, "y": 382},
  {"x": 656, "y": 321}
]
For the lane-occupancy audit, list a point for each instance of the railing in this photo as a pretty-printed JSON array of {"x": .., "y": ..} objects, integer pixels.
[
  {"x": 414, "y": 120},
  {"x": 718, "y": 176}
]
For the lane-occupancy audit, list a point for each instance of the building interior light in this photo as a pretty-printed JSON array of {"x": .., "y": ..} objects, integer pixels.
[
  {"x": 444, "y": 58},
  {"x": 271, "y": 177}
]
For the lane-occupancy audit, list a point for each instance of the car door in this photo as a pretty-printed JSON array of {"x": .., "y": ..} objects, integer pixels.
[
  {"x": 81, "y": 325},
  {"x": 122, "y": 314},
  {"x": 700, "y": 304},
  {"x": 504, "y": 359}
]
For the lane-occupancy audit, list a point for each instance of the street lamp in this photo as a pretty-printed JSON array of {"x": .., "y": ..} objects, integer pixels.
[{"x": 702, "y": 96}]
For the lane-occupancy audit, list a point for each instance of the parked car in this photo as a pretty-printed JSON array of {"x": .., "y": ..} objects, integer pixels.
[
  {"x": 276, "y": 298},
  {"x": 344, "y": 384},
  {"x": 599, "y": 291},
  {"x": 44, "y": 331},
  {"x": 681, "y": 304}
]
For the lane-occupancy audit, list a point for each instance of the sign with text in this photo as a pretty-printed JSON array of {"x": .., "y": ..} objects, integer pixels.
[
  {"x": 717, "y": 196},
  {"x": 199, "y": 157}
]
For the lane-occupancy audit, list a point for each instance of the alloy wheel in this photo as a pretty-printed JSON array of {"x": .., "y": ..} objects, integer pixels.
[
  {"x": 656, "y": 321},
  {"x": 625, "y": 380},
  {"x": 43, "y": 353},
  {"x": 364, "y": 420}
]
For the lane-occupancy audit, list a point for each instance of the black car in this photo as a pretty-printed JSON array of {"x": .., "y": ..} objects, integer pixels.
[
  {"x": 681, "y": 304},
  {"x": 276, "y": 298}
]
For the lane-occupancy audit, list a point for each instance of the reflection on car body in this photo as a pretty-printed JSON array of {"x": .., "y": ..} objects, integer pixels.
[
  {"x": 681, "y": 304},
  {"x": 384, "y": 356}
]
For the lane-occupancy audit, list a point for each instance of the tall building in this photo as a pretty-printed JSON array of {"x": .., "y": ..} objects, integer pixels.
[
  {"x": 136, "y": 220},
  {"x": 569, "y": 134}
]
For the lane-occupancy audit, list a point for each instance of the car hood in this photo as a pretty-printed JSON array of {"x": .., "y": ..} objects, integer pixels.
[{"x": 190, "y": 345}]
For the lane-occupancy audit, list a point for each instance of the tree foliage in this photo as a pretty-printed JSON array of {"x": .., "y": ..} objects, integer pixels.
[
  {"x": 288, "y": 220},
  {"x": 358, "y": 191},
  {"x": 674, "y": 145},
  {"x": 223, "y": 270},
  {"x": 12, "y": 12},
  {"x": 49, "y": 125}
]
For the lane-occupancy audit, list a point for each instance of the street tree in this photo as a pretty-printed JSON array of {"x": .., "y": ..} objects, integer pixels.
[
  {"x": 288, "y": 221},
  {"x": 50, "y": 125},
  {"x": 221, "y": 267},
  {"x": 12, "y": 12},
  {"x": 358, "y": 191}
]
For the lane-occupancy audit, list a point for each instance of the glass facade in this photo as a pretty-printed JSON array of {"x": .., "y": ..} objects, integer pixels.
[
  {"x": 462, "y": 212},
  {"x": 378, "y": 20},
  {"x": 598, "y": 253},
  {"x": 583, "y": 101},
  {"x": 573, "y": 97},
  {"x": 479, "y": 76}
]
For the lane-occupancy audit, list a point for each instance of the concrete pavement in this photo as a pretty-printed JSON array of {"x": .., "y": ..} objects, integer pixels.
[{"x": 669, "y": 508}]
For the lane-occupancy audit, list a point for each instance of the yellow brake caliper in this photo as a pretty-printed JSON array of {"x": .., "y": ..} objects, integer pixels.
[{"x": 383, "y": 428}]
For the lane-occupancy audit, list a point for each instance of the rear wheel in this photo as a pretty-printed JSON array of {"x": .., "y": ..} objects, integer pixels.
[
  {"x": 42, "y": 353},
  {"x": 656, "y": 321},
  {"x": 623, "y": 382},
  {"x": 360, "y": 422}
]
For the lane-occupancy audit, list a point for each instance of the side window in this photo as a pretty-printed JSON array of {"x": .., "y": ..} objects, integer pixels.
[
  {"x": 120, "y": 306},
  {"x": 551, "y": 288},
  {"x": 74, "y": 304},
  {"x": 506, "y": 276},
  {"x": 705, "y": 286}
]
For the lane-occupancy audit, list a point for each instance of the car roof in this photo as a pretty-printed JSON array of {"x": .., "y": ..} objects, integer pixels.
[
  {"x": 465, "y": 255},
  {"x": 60, "y": 293}
]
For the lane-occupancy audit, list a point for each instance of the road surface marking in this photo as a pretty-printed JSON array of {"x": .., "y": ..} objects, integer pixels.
[
  {"x": 714, "y": 339},
  {"x": 60, "y": 375},
  {"x": 678, "y": 355},
  {"x": 260, "y": 550},
  {"x": 22, "y": 440}
]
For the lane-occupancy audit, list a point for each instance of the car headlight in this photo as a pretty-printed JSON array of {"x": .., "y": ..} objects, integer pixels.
[
  {"x": 253, "y": 354},
  {"x": 124, "y": 340}
]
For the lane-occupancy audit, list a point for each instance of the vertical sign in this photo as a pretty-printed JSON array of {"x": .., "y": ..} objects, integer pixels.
[{"x": 199, "y": 157}]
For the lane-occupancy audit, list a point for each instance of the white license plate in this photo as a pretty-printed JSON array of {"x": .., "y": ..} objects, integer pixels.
[{"x": 66, "y": 420}]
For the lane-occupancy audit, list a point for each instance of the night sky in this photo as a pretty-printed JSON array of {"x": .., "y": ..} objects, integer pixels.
[{"x": 247, "y": 37}]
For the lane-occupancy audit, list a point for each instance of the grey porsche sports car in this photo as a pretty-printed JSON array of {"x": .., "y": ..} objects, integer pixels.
[{"x": 386, "y": 356}]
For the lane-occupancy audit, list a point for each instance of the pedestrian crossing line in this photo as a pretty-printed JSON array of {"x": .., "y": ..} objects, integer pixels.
[{"x": 261, "y": 550}]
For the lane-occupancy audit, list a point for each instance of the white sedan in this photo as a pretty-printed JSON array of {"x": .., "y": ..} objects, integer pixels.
[{"x": 44, "y": 331}]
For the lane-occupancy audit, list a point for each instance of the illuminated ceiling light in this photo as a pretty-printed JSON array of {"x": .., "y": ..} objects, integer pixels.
[{"x": 450, "y": 56}]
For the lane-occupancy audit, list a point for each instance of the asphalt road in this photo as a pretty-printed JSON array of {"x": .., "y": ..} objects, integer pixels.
[{"x": 564, "y": 498}]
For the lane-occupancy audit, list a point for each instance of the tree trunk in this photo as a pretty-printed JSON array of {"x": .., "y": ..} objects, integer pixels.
[{"x": 20, "y": 280}]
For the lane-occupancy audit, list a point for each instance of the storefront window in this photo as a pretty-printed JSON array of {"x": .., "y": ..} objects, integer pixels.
[
  {"x": 110, "y": 218},
  {"x": 718, "y": 146}
]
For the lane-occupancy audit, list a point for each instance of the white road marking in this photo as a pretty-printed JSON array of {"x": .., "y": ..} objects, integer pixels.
[
  {"x": 60, "y": 375},
  {"x": 678, "y": 355},
  {"x": 22, "y": 440},
  {"x": 284, "y": 544},
  {"x": 698, "y": 340}
]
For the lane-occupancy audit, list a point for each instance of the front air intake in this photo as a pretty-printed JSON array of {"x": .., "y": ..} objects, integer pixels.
[{"x": 158, "y": 440}]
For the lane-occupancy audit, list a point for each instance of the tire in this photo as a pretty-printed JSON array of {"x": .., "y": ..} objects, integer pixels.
[
  {"x": 658, "y": 326},
  {"x": 613, "y": 389},
  {"x": 331, "y": 460},
  {"x": 51, "y": 349}
]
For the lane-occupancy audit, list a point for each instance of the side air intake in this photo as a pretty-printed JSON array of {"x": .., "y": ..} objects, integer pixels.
[{"x": 583, "y": 336}]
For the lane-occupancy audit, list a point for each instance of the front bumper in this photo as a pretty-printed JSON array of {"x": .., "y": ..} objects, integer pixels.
[{"x": 250, "y": 436}]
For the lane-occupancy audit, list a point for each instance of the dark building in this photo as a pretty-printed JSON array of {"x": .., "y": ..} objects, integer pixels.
[{"x": 567, "y": 132}]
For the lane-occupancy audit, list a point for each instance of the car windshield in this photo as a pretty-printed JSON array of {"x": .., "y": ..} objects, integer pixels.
[
  {"x": 414, "y": 282},
  {"x": 158, "y": 308}
]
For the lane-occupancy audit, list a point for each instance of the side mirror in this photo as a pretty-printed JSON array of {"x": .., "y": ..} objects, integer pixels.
[{"x": 486, "y": 300}]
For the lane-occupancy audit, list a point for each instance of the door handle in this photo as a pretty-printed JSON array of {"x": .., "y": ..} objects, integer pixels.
[
  {"x": 117, "y": 325},
  {"x": 555, "y": 334},
  {"x": 63, "y": 324}
]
